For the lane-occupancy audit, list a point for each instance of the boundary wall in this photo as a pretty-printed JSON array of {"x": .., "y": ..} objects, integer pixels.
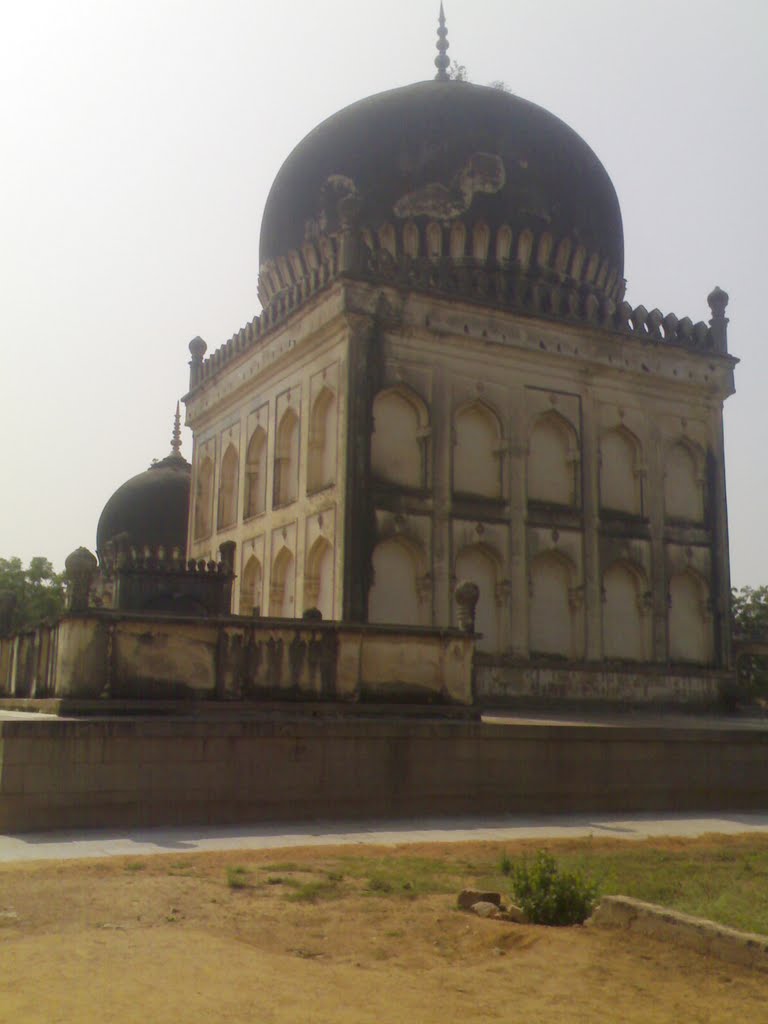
[{"x": 141, "y": 771}]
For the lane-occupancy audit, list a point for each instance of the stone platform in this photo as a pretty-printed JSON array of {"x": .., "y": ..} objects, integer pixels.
[{"x": 281, "y": 765}]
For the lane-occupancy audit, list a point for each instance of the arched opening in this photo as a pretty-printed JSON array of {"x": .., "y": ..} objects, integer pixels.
[
  {"x": 250, "y": 586},
  {"x": 287, "y": 459},
  {"x": 318, "y": 581},
  {"x": 203, "y": 498},
  {"x": 228, "y": 481},
  {"x": 683, "y": 497},
  {"x": 620, "y": 483},
  {"x": 552, "y": 461},
  {"x": 394, "y": 596},
  {"x": 396, "y": 444},
  {"x": 479, "y": 567},
  {"x": 625, "y": 624},
  {"x": 476, "y": 464},
  {"x": 282, "y": 586},
  {"x": 689, "y": 626},
  {"x": 321, "y": 468},
  {"x": 550, "y": 614},
  {"x": 256, "y": 473}
]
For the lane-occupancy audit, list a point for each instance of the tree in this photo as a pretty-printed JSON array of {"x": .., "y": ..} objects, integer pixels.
[
  {"x": 29, "y": 596},
  {"x": 749, "y": 616}
]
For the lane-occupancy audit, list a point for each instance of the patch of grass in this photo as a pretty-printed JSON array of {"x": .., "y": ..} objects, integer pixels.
[
  {"x": 135, "y": 865},
  {"x": 283, "y": 866},
  {"x": 237, "y": 877},
  {"x": 311, "y": 892},
  {"x": 275, "y": 879}
]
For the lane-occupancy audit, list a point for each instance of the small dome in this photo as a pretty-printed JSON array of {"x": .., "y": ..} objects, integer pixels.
[
  {"x": 149, "y": 510},
  {"x": 443, "y": 151}
]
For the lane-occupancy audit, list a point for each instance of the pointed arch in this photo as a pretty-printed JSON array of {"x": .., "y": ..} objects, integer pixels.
[
  {"x": 397, "y": 595},
  {"x": 481, "y": 240},
  {"x": 476, "y": 451},
  {"x": 458, "y": 240},
  {"x": 256, "y": 473},
  {"x": 690, "y": 620},
  {"x": 434, "y": 240},
  {"x": 321, "y": 460},
  {"x": 203, "y": 498},
  {"x": 621, "y": 471},
  {"x": 228, "y": 484},
  {"x": 553, "y": 606},
  {"x": 398, "y": 442},
  {"x": 481, "y": 565},
  {"x": 286, "y": 486},
  {"x": 318, "y": 578},
  {"x": 684, "y": 481},
  {"x": 626, "y": 612},
  {"x": 251, "y": 586},
  {"x": 282, "y": 585},
  {"x": 411, "y": 241},
  {"x": 504, "y": 244},
  {"x": 553, "y": 460}
]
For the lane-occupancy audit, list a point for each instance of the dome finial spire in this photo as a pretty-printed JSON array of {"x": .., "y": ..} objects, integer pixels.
[
  {"x": 176, "y": 437},
  {"x": 442, "y": 61}
]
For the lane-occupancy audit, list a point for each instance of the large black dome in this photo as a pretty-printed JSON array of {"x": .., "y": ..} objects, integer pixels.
[
  {"x": 442, "y": 150},
  {"x": 149, "y": 510}
]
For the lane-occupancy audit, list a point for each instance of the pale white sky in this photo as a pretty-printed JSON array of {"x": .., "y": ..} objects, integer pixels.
[{"x": 138, "y": 142}]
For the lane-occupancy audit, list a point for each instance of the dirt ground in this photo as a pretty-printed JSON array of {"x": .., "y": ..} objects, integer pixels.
[{"x": 168, "y": 938}]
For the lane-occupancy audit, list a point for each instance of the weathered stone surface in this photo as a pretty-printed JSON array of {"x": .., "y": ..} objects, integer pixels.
[
  {"x": 484, "y": 909},
  {"x": 695, "y": 933},
  {"x": 469, "y": 897},
  {"x": 515, "y": 914}
]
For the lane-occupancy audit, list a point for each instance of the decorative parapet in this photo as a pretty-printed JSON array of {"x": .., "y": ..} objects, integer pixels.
[{"x": 538, "y": 276}]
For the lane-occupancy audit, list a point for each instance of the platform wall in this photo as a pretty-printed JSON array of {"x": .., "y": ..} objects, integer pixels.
[{"x": 60, "y": 774}]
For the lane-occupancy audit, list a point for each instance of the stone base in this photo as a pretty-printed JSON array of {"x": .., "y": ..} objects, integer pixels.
[
  {"x": 508, "y": 682},
  {"x": 131, "y": 772}
]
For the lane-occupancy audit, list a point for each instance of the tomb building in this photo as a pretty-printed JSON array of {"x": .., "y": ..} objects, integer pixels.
[{"x": 446, "y": 383}]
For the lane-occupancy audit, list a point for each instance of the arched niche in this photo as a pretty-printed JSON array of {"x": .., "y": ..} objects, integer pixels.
[
  {"x": 397, "y": 443},
  {"x": 250, "y": 586},
  {"x": 395, "y": 596},
  {"x": 321, "y": 461},
  {"x": 480, "y": 566},
  {"x": 203, "y": 498},
  {"x": 228, "y": 481},
  {"x": 282, "y": 586},
  {"x": 551, "y": 612},
  {"x": 626, "y": 618},
  {"x": 318, "y": 580},
  {"x": 476, "y": 462},
  {"x": 256, "y": 473},
  {"x": 620, "y": 477},
  {"x": 287, "y": 459},
  {"x": 552, "y": 460},
  {"x": 683, "y": 483},
  {"x": 690, "y": 626}
]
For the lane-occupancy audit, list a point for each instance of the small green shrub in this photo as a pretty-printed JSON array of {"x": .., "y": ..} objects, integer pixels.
[
  {"x": 505, "y": 864},
  {"x": 311, "y": 892},
  {"x": 550, "y": 896},
  {"x": 237, "y": 878}
]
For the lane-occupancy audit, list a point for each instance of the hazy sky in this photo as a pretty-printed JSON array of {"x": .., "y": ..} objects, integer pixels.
[{"x": 138, "y": 142}]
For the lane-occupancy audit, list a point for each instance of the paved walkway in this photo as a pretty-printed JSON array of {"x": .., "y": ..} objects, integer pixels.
[{"x": 138, "y": 842}]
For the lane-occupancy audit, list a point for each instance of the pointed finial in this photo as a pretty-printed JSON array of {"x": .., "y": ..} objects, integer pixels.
[
  {"x": 176, "y": 438},
  {"x": 442, "y": 61}
]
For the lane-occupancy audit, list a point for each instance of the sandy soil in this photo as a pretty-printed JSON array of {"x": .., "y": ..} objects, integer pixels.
[{"x": 166, "y": 939}]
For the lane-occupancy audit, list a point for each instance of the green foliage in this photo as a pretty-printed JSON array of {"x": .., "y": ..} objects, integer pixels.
[
  {"x": 457, "y": 72},
  {"x": 505, "y": 864},
  {"x": 548, "y": 895},
  {"x": 237, "y": 878},
  {"x": 29, "y": 596},
  {"x": 749, "y": 619},
  {"x": 311, "y": 892}
]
